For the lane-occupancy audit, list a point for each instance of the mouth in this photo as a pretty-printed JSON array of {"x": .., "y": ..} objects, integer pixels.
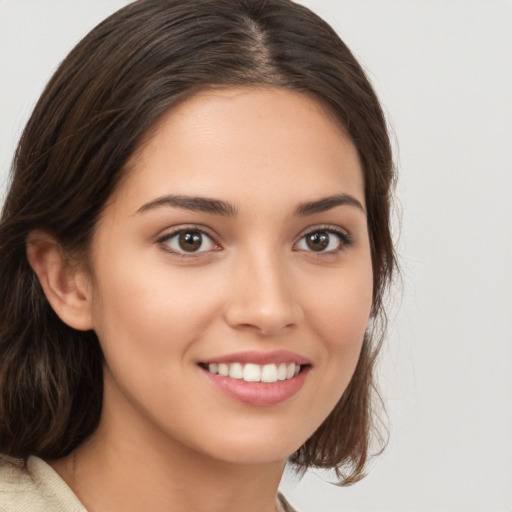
[
  {"x": 252, "y": 372},
  {"x": 256, "y": 378}
]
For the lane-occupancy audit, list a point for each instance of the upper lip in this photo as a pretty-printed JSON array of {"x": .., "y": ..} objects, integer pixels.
[{"x": 261, "y": 358}]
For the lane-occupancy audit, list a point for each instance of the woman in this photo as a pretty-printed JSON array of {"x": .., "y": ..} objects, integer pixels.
[{"x": 194, "y": 250}]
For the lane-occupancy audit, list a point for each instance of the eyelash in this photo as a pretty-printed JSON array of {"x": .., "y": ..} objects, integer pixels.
[
  {"x": 165, "y": 239},
  {"x": 345, "y": 240}
]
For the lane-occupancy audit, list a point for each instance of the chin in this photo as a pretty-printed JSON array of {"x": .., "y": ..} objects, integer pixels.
[
  {"x": 256, "y": 448},
  {"x": 257, "y": 455}
]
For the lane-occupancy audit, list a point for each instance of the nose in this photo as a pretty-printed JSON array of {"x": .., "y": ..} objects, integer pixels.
[{"x": 263, "y": 297}]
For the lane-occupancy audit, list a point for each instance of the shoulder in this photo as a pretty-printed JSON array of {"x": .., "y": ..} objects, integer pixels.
[{"x": 34, "y": 487}]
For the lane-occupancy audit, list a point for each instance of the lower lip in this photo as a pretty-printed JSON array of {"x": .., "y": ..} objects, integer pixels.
[{"x": 258, "y": 393}]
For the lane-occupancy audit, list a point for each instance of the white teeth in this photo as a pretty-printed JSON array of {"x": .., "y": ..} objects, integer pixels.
[
  {"x": 236, "y": 371},
  {"x": 269, "y": 373},
  {"x": 281, "y": 372},
  {"x": 290, "y": 370},
  {"x": 251, "y": 372}
]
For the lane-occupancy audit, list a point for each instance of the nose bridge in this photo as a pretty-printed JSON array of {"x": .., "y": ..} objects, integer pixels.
[{"x": 263, "y": 296}]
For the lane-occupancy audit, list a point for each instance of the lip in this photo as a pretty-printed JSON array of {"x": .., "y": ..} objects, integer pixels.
[
  {"x": 259, "y": 394},
  {"x": 257, "y": 357}
]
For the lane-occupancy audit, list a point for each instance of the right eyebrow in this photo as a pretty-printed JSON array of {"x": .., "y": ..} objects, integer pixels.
[{"x": 193, "y": 203}]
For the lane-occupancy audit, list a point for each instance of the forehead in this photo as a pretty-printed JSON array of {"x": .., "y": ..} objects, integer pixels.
[{"x": 242, "y": 143}]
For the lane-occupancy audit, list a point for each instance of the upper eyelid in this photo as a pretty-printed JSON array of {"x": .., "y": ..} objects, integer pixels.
[
  {"x": 172, "y": 231},
  {"x": 205, "y": 230},
  {"x": 344, "y": 236},
  {"x": 168, "y": 234},
  {"x": 333, "y": 228}
]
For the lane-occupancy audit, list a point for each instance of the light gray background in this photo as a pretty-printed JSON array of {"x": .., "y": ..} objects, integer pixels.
[{"x": 443, "y": 71}]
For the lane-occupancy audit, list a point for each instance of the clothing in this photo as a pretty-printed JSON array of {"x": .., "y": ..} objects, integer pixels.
[
  {"x": 34, "y": 489},
  {"x": 285, "y": 506},
  {"x": 39, "y": 488}
]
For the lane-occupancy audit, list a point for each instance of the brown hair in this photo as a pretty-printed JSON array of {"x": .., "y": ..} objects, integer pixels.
[{"x": 92, "y": 116}]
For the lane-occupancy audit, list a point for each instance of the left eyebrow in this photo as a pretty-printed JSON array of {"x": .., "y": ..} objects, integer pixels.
[{"x": 327, "y": 203}]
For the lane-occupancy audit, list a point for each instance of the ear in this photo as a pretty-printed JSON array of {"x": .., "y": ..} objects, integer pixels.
[{"x": 66, "y": 286}]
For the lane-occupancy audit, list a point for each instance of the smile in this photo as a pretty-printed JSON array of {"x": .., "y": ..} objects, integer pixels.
[
  {"x": 257, "y": 378},
  {"x": 251, "y": 372}
]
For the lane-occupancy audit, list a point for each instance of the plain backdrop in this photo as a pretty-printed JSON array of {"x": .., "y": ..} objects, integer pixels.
[{"x": 443, "y": 71}]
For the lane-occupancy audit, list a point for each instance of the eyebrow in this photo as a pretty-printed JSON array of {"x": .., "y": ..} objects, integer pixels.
[
  {"x": 327, "y": 203},
  {"x": 197, "y": 204},
  {"x": 218, "y": 207}
]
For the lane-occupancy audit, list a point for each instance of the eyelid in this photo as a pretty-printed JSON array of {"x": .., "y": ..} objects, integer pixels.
[
  {"x": 346, "y": 239},
  {"x": 344, "y": 236},
  {"x": 170, "y": 233}
]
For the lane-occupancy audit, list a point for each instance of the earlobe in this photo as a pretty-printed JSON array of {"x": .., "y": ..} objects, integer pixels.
[{"x": 63, "y": 281}]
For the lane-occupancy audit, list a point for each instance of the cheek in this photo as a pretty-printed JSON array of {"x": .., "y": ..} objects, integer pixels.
[
  {"x": 339, "y": 317},
  {"x": 342, "y": 304},
  {"x": 147, "y": 324},
  {"x": 148, "y": 314},
  {"x": 151, "y": 307}
]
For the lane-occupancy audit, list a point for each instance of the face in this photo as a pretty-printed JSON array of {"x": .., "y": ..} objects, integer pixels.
[{"x": 232, "y": 278}]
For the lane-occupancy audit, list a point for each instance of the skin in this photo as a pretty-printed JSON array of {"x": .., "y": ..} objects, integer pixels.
[{"x": 168, "y": 439}]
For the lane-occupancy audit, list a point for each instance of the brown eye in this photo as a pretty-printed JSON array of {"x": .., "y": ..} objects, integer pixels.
[
  {"x": 190, "y": 241},
  {"x": 327, "y": 241},
  {"x": 318, "y": 241}
]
